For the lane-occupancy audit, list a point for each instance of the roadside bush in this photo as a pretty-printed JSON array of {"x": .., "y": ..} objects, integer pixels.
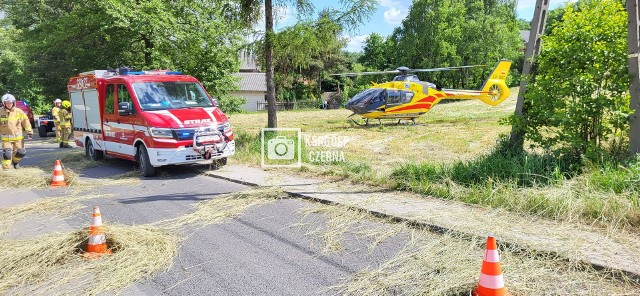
[{"x": 232, "y": 104}]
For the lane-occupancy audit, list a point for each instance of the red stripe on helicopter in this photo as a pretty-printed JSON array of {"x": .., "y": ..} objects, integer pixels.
[
  {"x": 416, "y": 106},
  {"x": 428, "y": 99}
]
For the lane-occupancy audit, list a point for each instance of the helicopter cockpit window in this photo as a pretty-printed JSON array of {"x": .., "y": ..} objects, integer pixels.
[{"x": 365, "y": 96}]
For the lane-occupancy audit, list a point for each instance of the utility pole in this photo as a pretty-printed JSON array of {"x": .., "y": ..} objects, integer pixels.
[
  {"x": 633, "y": 39},
  {"x": 533, "y": 50}
]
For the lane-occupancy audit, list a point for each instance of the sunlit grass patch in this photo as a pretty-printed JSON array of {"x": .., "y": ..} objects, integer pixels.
[
  {"x": 341, "y": 221},
  {"x": 53, "y": 262},
  {"x": 55, "y": 206}
]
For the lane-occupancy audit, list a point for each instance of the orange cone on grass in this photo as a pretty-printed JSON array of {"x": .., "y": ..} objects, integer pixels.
[
  {"x": 58, "y": 176},
  {"x": 97, "y": 245},
  {"x": 491, "y": 282}
]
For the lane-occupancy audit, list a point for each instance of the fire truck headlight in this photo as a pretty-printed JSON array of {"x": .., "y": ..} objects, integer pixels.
[
  {"x": 227, "y": 127},
  {"x": 161, "y": 132}
]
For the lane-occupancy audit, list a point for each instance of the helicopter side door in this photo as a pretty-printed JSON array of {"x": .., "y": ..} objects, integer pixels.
[{"x": 394, "y": 98}]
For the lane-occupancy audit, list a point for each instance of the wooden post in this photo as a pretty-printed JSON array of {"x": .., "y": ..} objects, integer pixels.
[
  {"x": 533, "y": 50},
  {"x": 633, "y": 39}
]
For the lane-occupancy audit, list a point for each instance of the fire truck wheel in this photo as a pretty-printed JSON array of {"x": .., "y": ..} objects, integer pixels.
[
  {"x": 92, "y": 154},
  {"x": 42, "y": 131},
  {"x": 146, "y": 168}
]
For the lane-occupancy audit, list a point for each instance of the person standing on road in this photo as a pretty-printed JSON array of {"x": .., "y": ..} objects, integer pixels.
[
  {"x": 65, "y": 124},
  {"x": 13, "y": 122},
  {"x": 56, "y": 119}
]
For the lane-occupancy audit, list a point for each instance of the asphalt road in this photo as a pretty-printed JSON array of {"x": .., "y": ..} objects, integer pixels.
[{"x": 262, "y": 252}]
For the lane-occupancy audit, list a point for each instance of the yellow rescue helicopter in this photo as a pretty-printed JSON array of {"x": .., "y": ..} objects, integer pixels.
[{"x": 406, "y": 97}]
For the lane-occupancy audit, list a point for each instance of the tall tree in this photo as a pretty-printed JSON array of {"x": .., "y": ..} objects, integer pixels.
[
  {"x": 353, "y": 13},
  {"x": 62, "y": 38},
  {"x": 375, "y": 53},
  {"x": 439, "y": 33}
]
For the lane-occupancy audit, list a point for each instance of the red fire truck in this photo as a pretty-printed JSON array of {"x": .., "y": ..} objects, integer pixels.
[{"x": 155, "y": 118}]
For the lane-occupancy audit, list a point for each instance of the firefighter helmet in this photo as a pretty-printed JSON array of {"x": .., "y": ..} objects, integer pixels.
[
  {"x": 8, "y": 98},
  {"x": 66, "y": 104},
  {"x": 56, "y": 101}
]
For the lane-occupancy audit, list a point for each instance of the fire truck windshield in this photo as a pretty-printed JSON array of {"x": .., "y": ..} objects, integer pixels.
[{"x": 170, "y": 95}]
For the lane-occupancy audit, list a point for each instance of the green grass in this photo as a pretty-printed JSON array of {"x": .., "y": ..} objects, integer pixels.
[{"x": 452, "y": 154}]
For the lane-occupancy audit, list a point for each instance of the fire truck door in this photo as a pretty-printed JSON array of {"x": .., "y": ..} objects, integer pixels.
[{"x": 119, "y": 131}]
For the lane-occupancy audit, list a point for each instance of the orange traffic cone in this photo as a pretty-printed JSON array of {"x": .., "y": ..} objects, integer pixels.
[
  {"x": 97, "y": 245},
  {"x": 58, "y": 176},
  {"x": 491, "y": 282}
]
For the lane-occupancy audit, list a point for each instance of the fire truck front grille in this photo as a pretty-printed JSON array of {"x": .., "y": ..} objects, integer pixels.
[
  {"x": 184, "y": 134},
  {"x": 193, "y": 157}
]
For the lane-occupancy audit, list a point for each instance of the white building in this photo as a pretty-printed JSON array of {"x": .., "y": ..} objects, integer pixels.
[{"x": 253, "y": 85}]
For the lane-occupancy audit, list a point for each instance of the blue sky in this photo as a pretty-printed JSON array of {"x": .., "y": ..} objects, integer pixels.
[{"x": 389, "y": 15}]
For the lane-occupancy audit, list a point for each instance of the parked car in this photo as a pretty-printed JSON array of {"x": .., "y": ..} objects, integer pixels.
[
  {"x": 45, "y": 125},
  {"x": 25, "y": 107}
]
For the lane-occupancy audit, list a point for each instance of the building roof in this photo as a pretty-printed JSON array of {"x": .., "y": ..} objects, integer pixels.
[{"x": 252, "y": 81}]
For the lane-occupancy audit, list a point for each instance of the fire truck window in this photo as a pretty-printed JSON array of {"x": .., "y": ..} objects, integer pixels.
[
  {"x": 171, "y": 95},
  {"x": 108, "y": 108},
  {"x": 123, "y": 95}
]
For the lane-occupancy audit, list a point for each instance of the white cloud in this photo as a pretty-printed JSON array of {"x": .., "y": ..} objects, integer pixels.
[
  {"x": 355, "y": 43},
  {"x": 394, "y": 16},
  {"x": 396, "y": 12}
]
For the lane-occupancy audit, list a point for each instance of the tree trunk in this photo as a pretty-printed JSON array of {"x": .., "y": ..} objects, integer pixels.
[
  {"x": 148, "y": 47},
  {"x": 268, "y": 60}
]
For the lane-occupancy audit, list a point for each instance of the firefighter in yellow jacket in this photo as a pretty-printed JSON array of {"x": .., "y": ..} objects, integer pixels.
[
  {"x": 13, "y": 122},
  {"x": 65, "y": 124},
  {"x": 56, "y": 118}
]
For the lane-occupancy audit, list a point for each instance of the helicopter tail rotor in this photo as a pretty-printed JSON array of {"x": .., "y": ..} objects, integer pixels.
[{"x": 496, "y": 85}]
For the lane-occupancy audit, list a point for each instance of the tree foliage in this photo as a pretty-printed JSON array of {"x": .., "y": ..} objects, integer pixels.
[
  {"x": 62, "y": 38},
  {"x": 439, "y": 33},
  {"x": 303, "y": 54},
  {"x": 376, "y": 53},
  {"x": 579, "y": 99}
]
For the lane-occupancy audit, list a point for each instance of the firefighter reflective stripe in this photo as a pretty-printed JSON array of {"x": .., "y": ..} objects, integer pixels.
[{"x": 11, "y": 138}]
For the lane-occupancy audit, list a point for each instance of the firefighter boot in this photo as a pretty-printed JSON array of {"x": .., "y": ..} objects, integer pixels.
[
  {"x": 61, "y": 145},
  {"x": 16, "y": 165}
]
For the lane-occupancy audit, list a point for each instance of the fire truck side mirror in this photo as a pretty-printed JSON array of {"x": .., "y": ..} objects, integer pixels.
[{"x": 124, "y": 109}]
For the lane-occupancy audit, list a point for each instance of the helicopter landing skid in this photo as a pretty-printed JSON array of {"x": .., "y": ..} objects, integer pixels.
[{"x": 366, "y": 122}]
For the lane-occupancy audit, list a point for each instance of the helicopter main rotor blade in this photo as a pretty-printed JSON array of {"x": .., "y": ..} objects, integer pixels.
[
  {"x": 406, "y": 70},
  {"x": 366, "y": 73},
  {"x": 445, "y": 68}
]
